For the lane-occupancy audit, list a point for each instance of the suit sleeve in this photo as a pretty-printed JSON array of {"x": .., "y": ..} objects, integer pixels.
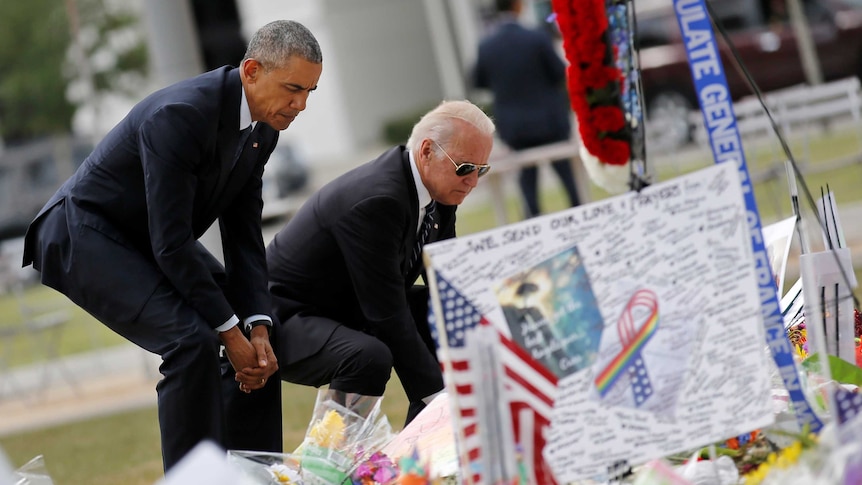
[
  {"x": 244, "y": 254},
  {"x": 171, "y": 142},
  {"x": 370, "y": 237}
]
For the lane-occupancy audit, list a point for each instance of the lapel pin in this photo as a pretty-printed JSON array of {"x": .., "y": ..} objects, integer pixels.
[{"x": 254, "y": 145}]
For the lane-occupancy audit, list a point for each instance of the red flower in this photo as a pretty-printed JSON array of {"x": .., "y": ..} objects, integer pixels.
[
  {"x": 608, "y": 118},
  {"x": 592, "y": 75},
  {"x": 599, "y": 77},
  {"x": 617, "y": 151}
]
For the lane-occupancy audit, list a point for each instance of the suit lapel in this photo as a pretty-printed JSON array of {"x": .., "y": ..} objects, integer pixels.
[
  {"x": 410, "y": 233},
  {"x": 226, "y": 140},
  {"x": 242, "y": 170},
  {"x": 225, "y": 149},
  {"x": 247, "y": 160}
]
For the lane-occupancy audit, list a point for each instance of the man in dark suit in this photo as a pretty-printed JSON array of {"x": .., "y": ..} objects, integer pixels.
[
  {"x": 119, "y": 238},
  {"x": 527, "y": 79},
  {"x": 342, "y": 271}
]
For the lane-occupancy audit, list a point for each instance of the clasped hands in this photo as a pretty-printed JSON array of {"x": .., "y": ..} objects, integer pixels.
[{"x": 252, "y": 358}]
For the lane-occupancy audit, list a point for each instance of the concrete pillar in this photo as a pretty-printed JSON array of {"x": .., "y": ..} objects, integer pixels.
[
  {"x": 175, "y": 55},
  {"x": 172, "y": 41},
  {"x": 450, "y": 69},
  {"x": 804, "y": 42},
  {"x": 467, "y": 28}
]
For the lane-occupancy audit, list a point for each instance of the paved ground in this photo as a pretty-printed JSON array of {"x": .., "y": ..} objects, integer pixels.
[
  {"x": 124, "y": 377},
  {"x": 76, "y": 388}
]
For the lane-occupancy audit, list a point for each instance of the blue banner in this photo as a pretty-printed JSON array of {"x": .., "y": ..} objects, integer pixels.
[{"x": 719, "y": 121}]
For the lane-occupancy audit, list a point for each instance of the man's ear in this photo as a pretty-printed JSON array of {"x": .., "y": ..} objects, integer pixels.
[
  {"x": 425, "y": 150},
  {"x": 250, "y": 69}
]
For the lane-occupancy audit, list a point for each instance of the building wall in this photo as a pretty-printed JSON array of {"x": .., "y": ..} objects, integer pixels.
[
  {"x": 378, "y": 63},
  {"x": 321, "y": 130},
  {"x": 386, "y": 62}
]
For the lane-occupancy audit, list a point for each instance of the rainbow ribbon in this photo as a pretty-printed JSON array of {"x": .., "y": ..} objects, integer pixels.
[{"x": 629, "y": 359}]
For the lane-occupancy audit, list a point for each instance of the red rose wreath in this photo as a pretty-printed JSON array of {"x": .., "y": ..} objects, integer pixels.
[{"x": 594, "y": 90}]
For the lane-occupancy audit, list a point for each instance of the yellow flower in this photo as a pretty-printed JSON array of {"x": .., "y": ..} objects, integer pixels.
[
  {"x": 785, "y": 458},
  {"x": 329, "y": 431},
  {"x": 757, "y": 475},
  {"x": 790, "y": 455}
]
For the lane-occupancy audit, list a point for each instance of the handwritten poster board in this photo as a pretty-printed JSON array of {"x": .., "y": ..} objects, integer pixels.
[
  {"x": 430, "y": 437},
  {"x": 661, "y": 296}
]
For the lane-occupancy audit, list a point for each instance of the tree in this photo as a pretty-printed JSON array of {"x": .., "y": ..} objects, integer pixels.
[
  {"x": 45, "y": 78},
  {"x": 33, "y": 45}
]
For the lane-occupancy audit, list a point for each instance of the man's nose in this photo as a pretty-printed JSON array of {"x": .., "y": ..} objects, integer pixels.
[
  {"x": 472, "y": 179},
  {"x": 299, "y": 100}
]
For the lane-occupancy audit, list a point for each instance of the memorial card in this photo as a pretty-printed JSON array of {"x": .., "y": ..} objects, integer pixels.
[
  {"x": 642, "y": 309},
  {"x": 777, "y": 238}
]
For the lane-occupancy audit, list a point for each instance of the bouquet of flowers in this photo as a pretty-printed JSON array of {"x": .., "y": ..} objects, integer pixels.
[
  {"x": 341, "y": 447},
  {"x": 343, "y": 440}
]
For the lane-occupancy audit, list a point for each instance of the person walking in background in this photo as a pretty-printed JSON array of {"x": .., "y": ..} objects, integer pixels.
[
  {"x": 527, "y": 80},
  {"x": 119, "y": 238},
  {"x": 342, "y": 270}
]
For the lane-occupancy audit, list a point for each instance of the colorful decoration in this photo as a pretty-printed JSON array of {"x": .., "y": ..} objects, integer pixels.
[
  {"x": 857, "y": 317},
  {"x": 412, "y": 472},
  {"x": 798, "y": 336}
]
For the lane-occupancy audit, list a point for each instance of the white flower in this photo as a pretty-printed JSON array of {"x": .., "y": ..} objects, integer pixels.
[{"x": 612, "y": 178}]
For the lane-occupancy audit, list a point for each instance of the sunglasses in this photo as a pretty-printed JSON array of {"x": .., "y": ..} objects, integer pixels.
[{"x": 466, "y": 168}]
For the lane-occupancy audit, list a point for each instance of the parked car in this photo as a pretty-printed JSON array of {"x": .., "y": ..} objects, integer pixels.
[
  {"x": 762, "y": 33},
  {"x": 32, "y": 172}
]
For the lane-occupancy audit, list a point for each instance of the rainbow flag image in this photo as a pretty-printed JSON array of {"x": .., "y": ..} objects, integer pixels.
[{"x": 633, "y": 341}]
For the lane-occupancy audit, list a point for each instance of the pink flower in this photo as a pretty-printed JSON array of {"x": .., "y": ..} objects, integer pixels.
[{"x": 378, "y": 468}]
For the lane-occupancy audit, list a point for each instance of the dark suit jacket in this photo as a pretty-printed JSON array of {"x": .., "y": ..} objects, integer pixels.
[
  {"x": 527, "y": 78},
  {"x": 344, "y": 256},
  {"x": 150, "y": 188}
]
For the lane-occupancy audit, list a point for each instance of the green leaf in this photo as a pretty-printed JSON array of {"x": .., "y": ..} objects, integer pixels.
[{"x": 841, "y": 370}]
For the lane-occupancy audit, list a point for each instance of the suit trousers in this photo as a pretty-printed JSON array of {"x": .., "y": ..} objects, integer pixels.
[
  {"x": 196, "y": 400},
  {"x": 417, "y": 299},
  {"x": 350, "y": 361},
  {"x": 253, "y": 421},
  {"x": 528, "y": 180}
]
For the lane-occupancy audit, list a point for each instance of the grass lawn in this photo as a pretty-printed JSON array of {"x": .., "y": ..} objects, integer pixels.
[
  {"x": 772, "y": 194},
  {"x": 124, "y": 448},
  {"x": 80, "y": 334}
]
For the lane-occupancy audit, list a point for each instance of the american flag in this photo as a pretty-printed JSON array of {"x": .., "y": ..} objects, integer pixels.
[
  {"x": 848, "y": 404},
  {"x": 473, "y": 356}
]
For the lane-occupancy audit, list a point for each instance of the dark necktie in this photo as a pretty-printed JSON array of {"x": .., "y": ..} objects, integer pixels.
[
  {"x": 243, "y": 138},
  {"x": 422, "y": 236}
]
